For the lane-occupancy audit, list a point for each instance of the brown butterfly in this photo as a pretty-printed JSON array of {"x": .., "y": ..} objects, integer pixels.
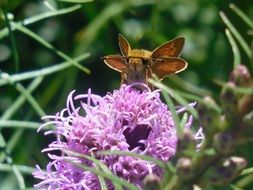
[{"x": 137, "y": 65}]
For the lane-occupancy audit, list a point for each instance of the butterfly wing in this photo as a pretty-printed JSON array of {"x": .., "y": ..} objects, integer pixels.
[
  {"x": 172, "y": 48},
  {"x": 124, "y": 46},
  {"x": 165, "y": 66},
  {"x": 116, "y": 62}
]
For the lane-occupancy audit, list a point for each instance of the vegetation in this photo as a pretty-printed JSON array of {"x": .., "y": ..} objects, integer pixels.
[{"x": 49, "y": 48}]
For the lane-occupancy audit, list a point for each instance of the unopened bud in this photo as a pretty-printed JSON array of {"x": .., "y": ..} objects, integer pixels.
[
  {"x": 245, "y": 104},
  {"x": 236, "y": 163},
  {"x": 196, "y": 187},
  {"x": 248, "y": 120},
  {"x": 184, "y": 168},
  {"x": 186, "y": 141},
  {"x": 208, "y": 114},
  {"x": 152, "y": 182},
  {"x": 229, "y": 170},
  {"x": 229, "y": 101},
  {"x": 240, "y": 76},
  {"x": 224, "y": 143}
]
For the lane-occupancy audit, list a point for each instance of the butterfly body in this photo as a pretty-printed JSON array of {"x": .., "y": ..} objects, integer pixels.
[{"x": 137, "y": 65}]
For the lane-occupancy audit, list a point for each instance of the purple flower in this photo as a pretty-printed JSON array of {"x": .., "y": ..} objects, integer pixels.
[{"x": 127, "y": 120}]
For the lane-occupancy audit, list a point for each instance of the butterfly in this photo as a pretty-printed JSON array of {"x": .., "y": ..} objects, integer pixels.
[{"x": 137, "y": 65}]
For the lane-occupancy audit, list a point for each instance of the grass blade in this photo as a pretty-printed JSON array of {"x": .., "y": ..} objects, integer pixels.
[
  {"x": 12, "y": 142},
  {"x": 21, "y": 99},
  {"x": 189, "y": 87},
  {"x": 21, "y": 168},
  {"x": 241, "y": 14},
  {"x": 101, "y": 180},
  {"x": 4, "y": 32},
  {"x": 19, "y": 124},
  {"x": 20, "y": 88},
  {"x": 235, "y": 49},
  {"x": 198, "y": 99},
  {"x": 109, "y": 176},
  {"x": 12, "y": 42},
  {"x": 41, "y": 72},
  {"x": 20, "y": 178},
  {"x": 237, "y": 35},
  {"x": 166, "y": 94},
  {"x": 132, "y": 154},
  {"x": 247, "y": 171},
  {"x": 177, "y": 96},
  {"x": 240, "y": 90},
  {"x": 76, "y": 1},
  {"x": 49, "y": 46}
]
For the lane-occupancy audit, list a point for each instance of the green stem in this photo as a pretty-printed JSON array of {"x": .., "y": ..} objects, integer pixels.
[
  {"x": 235, "y": 49},
  {"x": 13, "y": 42}
]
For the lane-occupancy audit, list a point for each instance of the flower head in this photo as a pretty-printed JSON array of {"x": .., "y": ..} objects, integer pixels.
[{"x": 126, "y": 120}]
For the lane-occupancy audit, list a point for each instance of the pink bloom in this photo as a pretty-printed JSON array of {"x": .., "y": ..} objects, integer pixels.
[{"x": 127, "y": 120}]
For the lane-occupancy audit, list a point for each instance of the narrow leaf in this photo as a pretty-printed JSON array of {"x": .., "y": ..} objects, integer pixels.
[
  {"x": 237, "y": 35},
  {"x": 49, "y": 46},
  {"x": 4, "y": 32},
  {"x": 76, "y": 1},
  {"x": 241, "y": 14},
  {"x": 235, "y": 49},
  {"x": 19, "y": 124},
  {"x": 13, "y": 43},
  {"x": 40, "y": 72},
  {"x": 20, "y": 100}
]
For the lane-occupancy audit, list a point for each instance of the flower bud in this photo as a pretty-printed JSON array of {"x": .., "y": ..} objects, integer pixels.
[
  {"x": 240, "y": 76},
  {"x": 229, "y": 170},
  {"x": 229, "y": 101},
  {"x": 248, "y": 119},
  {"x": 208, "y": 115},
  {"x": 184, "y": 168},
  {"x": 245, "y": 104},
  {"x": 236, "y": 163},
  {"x": 223, "y": 143},
  {"x": 186, "y": 141},
  {"x": 152, "y": 182}
]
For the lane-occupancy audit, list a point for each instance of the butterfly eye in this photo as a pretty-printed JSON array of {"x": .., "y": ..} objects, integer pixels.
[{"x": 144, "y": 61}]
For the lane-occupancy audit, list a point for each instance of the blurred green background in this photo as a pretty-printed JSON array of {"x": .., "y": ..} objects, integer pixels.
[{"x": 93, "y": 28}]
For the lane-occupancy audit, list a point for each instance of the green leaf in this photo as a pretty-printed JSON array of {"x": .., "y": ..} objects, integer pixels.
[
  {"x": 233, "y": 187},
  {"x": 19, "y": 124},
  {"x": 100, "y": 178},
  {"x": 189, "y": 87},
  {"x": 167, "y": 93},
  {"x": 237, "y": 35},
  {"x": 76, "y": 1},
  {"x": 240, "y": 90},
  {"x": 126, "y": 153},
  {"x": 22, "y": 168},
  {"x": 19, "y": 87},
  {"x": 13, "y": 42},
  {"x": 40, "y": 72},
  {"x": 241, "y": 14},
  {"x": 18, "y": 175},
  {"x": 4, "y": 32},
  {"x": 21, "y": 99},
  {"x": 247, "y": 171},
  {"x": 235, "y": 49},
  {"x": 106, "y": 175},
  {"x": 176, "y": 96},
  {"x": 49, "y": 46}
]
